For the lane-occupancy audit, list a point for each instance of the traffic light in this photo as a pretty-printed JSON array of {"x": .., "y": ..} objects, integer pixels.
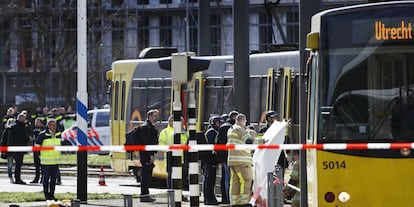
[{"x": 183, "y": 65}]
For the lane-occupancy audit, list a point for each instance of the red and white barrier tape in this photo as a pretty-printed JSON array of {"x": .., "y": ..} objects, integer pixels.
[{"x": 217, "y": 147}]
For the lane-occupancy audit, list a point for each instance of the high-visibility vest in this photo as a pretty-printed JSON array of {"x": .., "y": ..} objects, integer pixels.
[
  {"x": 167, "y": 137},
  {"x": 50, "y": 157}
]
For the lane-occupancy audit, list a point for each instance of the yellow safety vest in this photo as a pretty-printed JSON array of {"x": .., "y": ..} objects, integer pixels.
[
  {"x": 167, "y": 138},
  {"x": 51, "y": 157}
]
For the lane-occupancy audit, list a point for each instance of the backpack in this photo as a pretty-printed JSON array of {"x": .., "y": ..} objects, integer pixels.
[{"x": 131, "y": 137}]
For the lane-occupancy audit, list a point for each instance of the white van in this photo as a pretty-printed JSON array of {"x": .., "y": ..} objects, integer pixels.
[
  {"x": 98, "y": 131},
  {"x": 99, "y": 120}
]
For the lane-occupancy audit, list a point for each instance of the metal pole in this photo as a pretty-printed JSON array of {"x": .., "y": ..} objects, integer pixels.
[
  {"x": 270, "y": 189},
  {"x": 4, "y": 88},
  {"x": 82, "y": 99},
  {"x": 241, "y": 56},
  {"x": 176, "y": 154},
  {"x": 127, "y": 200},
  {"x": 204, "y": 37},
  {"x": 187, "y": 27},
  {"x": 171, "y": 202},
  {"x": 279, "y": 186},
  {"x": 76, "y": 203},
  {"x": 193, "y": 154}
]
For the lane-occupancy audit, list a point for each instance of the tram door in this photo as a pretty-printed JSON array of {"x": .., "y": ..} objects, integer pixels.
[{"x": 279, "y": 90}]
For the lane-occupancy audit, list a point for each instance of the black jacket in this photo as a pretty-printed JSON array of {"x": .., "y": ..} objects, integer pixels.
[
  {"x": 222, "y": 139},
  {"x": 147, "y": 134},
  {"x": 17, "y": 135}
]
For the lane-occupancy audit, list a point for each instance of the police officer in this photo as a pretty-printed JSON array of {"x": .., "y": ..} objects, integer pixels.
[
  {"x": 222, "y": 156},
  {"x": 58, "y": 117},
  {"x": 210, "y": 162},
  {"x": 37, "y": 114},
  {"x": 240, "y": 163},
  {"x": 49, "y": 159},
  {"x": 38, "y": 128},
  {"x": 271, "y": 116}
]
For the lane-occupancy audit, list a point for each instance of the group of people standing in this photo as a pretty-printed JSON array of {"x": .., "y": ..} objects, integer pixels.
[
  {"x": 42, "y": 128},
  {"x": 236, "y": 165}
]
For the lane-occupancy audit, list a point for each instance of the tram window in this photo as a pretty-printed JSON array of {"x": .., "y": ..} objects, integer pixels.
[
  {"x": 123, "y": 100},
  {"x": 116, "y": 105}
]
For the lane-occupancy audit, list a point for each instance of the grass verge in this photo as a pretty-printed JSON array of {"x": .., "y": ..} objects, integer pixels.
[
  {"x": 71, "y": 159},
  {"x": 23, "y": 197}
]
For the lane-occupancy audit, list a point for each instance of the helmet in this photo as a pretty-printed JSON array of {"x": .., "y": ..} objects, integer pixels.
[
  {"x": 271, "y": 114},
  {"x": 215, "y": 119},
  {"x": 224, "y": 117},
  {"x": 233, "y": 114}
]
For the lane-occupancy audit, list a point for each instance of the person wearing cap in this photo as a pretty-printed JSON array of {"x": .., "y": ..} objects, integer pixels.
[
  {"x": 210, "y": 163},
  {"x": 222, "y": 156},
  {"x": 271, "y": 116},
  {"x": 18, "y": 136}
]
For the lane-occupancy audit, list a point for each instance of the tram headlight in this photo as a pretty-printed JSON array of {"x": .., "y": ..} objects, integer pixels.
[
  {"x": 329, "y": 197},
  {"x": 344, "y": 197}
]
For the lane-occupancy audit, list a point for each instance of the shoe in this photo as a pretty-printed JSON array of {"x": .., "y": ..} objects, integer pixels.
[
  {"x": 59, "y": 183},
  {"x": 211, "y": 202},
  {"x": 11, "y": 180},
  {"x": 20, "y": 182},
  {"x": 184, "y": 199},
  {"x": 225, "y": 202},
  {"x": 147, "y": 199},
  {"x": 34, "y": 181}
]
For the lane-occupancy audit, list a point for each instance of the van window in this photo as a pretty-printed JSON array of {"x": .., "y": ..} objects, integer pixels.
[
  {"x": 90, "y": 116},
  {"x": 102, "y": 119}
]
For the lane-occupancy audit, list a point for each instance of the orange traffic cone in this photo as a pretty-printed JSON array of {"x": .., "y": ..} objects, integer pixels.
[{"x": 102, "y": 177}]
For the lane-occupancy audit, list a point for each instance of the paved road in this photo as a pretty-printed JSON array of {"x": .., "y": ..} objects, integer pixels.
[
  {"x": 114, "y": 185},
  {"x": 124, "y": 184}
]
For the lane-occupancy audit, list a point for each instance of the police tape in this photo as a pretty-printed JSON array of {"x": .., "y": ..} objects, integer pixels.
[{"x": 215, "y": 147}]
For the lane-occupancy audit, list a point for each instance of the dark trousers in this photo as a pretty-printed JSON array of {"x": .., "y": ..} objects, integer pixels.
[
  {"x": 146, "y": 172},
  {"x": 36, "y": 162},
  {"x": 225, "y": 183},
  {"x": 49, "y": 174},
  {"x": 18, "y": 159},
  {"x": 210, "y": 182}
]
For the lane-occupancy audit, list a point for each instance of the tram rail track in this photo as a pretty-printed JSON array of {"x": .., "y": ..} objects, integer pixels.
[{"x": 69, "y": 170}]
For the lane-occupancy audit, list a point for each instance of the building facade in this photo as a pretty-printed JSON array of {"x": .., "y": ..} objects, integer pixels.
[{"x": 38, "y": 39}]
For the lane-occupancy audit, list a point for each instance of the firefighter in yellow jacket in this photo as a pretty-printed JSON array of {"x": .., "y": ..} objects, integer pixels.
[{"x": 240, "y": 163}]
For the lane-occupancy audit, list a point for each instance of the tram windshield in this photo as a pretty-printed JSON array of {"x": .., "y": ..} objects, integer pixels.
[{"x": 366, "y": 84}]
